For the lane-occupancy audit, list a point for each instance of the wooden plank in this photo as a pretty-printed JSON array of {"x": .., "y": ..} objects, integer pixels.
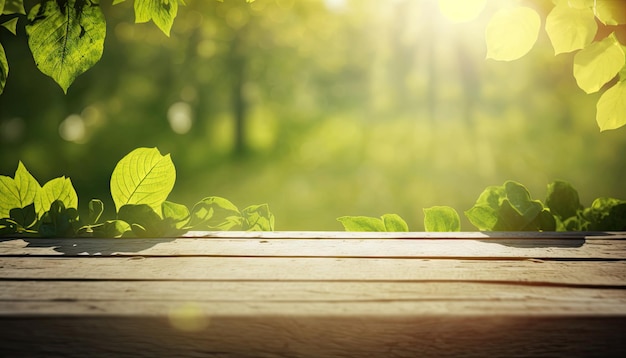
[
  {"x": 426, "y": 248},
  {"x": 317, "y": 336},
  {"x": 611, "y": 273},
  {"x": 474, "y": 235},
  {"x": 219, "y": 298}
]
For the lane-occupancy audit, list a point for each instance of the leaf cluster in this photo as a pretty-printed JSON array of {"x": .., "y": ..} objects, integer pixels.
[
  {"x": 572, "y": 26},
  {"x": 509, "y": 207},
  {"x": 140, "y": 185},
  {"x": 66, "y": 38}
]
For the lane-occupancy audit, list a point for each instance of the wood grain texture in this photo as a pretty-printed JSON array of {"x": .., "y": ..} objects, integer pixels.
[
  {"x": 310, "y": 294},
  {"x": 399, "y": 248}
]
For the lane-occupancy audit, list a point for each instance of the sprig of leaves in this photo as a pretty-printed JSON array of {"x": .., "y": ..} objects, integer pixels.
[
  {"x": 140, "y": 185},
  {"x": 509, "y": 207},
  {"x": 571, "y": 26},
  {"x": 66, "y": 37}
]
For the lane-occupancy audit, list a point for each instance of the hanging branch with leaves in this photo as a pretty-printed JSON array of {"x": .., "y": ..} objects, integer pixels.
[{"x": 572, "y": 25}]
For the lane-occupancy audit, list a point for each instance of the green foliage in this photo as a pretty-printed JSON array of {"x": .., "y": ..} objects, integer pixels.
[
  {"x": 611, "y": 108},
  {"x": 571, "y": 26},
  {"x": 66, "y": 38},
  {"x": 161, "y": 12},
  {"x": 4, "y": 69},
  {"x": 511, "y": 33},
  {"x": 17, "y": 192},
  {"x": 441, "y": 219},
  {"x": 387, "y": 222},
  {"x": 140, "y": 185},
  {"x": 598, "y": 63},
  {"x": 509, "y": 207},
  {"x": 144, "y": 176}
]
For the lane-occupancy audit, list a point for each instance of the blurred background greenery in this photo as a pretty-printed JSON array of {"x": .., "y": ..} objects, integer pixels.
[{"x": 321, "y": 108}]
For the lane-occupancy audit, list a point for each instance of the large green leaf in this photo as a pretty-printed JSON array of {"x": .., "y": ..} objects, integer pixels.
[
  {"x": 66, "y": 38},
  {"x": 161, "y": 12},
  {"x": 441, "y": 219},
  {"x": 4, "y": 69},
  {"x": 570, "y": 29},
  {"x": 611, "y": 107},
  {"x": 58, "y": 189},
  {"x": 511, "y": 33},
  {"x": 17, "y": 192},
  {"x": 598, "y": 63},
  {"x": 143, "y": 176},
  {"x": 611, "y": 12},
  {"x": 12, "y": 7}
]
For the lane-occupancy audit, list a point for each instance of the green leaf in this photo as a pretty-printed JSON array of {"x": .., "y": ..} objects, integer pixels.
[
  {"x": 562, "y": 199},
  {"x": 11, "y": 25},
  {"x": 177, "y": 215},
  {"x": 611, "y": 107},
  {"x": 143, "y": 176},
  {"x": 258, "y": 218},
  {"x": 509, "y": 207},
  {"x": 362, "y": 223},
  {"x": 59, "y": 221},
  {"x": 161, "y": 12},
  {"x": 18, "y": 192},
  {"x": 511, "y": 33},
  {"x": 96, "y": 208},
  {"x": 115, "y": 2},
  {"x": 441, "y": 219},
  {"x": 598, "y": 63},
  {"x": 212, "y": 213},
  {"x": 483, "y": 217},
  {"x": 144, "y": 221},
  {"x": 4, "y": 69},
  {"x": 606, "y": 214},
  {"x": 12, "y": 7},
  {"x": 26, "y": 217},
  {"x": 394, "y": 223},
  {"x": 58, "y": 189},
  {"x": 611, "y": 12},
  {"x": 570, "y": 29},
  {"x": 66, "y": 41}
]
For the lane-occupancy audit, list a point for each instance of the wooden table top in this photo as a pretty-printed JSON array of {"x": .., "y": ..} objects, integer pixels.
[{"x": 315, "y": 294}]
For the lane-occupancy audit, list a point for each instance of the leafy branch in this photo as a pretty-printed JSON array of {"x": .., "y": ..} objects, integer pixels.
[
  {"x": 572, "y": 26},
  {"x": 140, "y": 185},
  {"x": 66, "y": 37},
  {"x": 509, "y": 207}
]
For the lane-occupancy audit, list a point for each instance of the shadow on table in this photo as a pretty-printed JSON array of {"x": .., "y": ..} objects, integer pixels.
[
  {"x": 89, "y": 246},
  {"x": 566, "y": 239}
]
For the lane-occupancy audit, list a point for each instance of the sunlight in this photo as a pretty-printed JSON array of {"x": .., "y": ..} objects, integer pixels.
[
  {"x": 188, "y": 318},
  {"x": 461, "y": 10}
]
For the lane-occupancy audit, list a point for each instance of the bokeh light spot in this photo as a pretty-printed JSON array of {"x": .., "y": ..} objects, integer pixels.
[
  {"x": 72, "y": 129},
  {"x": 179, "y": 115}
]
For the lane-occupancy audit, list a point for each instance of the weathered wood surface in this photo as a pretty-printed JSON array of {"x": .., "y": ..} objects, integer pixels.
[{"x": 315, "y": 294}]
